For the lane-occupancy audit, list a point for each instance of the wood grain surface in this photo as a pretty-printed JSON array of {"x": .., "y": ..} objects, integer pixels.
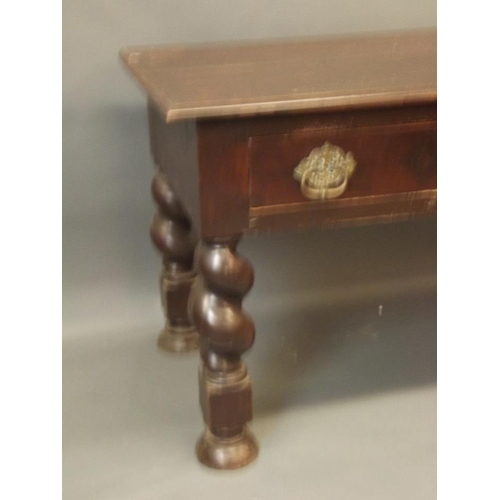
[
  {"x": 244, "y": 116},
  {"x": 328, "y": 73},
  {"x": 391, "y": 157}
]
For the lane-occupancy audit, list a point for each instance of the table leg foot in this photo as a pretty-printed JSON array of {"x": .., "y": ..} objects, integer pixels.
[
  {"x": 178, "y": 340},
  {"x": 226, "y": 332},
  {"x": 227, "y": 453}
]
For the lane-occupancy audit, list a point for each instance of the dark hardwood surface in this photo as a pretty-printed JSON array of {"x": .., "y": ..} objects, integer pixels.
[
  {"x": 387, "y": 151},
  {"x": 233, "y": 168},
  {"x": 233, "y": 175},
  {"x": 327, "y": 73},
  {"x": 228, "y": 126},
  {"x": 172, "y": 236}
]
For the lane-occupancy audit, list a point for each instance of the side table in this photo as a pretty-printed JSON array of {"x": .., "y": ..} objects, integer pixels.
[{"x": 251, "y": 137}]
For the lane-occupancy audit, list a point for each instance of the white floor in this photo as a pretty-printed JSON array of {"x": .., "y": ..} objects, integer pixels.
[{"x": 344, "y": 382}]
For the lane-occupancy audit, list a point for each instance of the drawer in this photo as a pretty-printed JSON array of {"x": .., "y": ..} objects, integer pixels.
[{"x": 390, "y": 159}]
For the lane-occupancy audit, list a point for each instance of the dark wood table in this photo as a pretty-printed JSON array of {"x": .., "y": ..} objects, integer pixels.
[{"x": 271, "y": 135}]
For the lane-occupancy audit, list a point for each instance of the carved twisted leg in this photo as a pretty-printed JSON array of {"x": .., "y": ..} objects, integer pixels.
[
  {"x": 226, "y": 332},
  {"x": 171, "y": 234}
]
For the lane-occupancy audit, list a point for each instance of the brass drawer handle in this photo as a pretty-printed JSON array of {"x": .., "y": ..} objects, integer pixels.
[{"x": 325, "y": 172}]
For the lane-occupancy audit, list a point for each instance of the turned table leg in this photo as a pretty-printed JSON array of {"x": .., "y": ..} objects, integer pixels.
[
  {"x": 171, "y": 234},
  {"x": 226, "y": 332}
]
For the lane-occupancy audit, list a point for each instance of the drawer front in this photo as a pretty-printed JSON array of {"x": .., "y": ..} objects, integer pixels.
[{"x": 390, "y": 159}]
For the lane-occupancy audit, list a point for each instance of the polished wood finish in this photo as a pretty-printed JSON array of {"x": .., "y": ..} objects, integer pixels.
[
  {"x": 386, "y": 156},
  {"x": 228, "y": 125},
  {"x": 248, "y": 165},
  {"x": 328, "y": 73},
  {"x": 175, "y": 151},
  {"x": 171, "y": 234},
  {"x": 226, "y": 332}
]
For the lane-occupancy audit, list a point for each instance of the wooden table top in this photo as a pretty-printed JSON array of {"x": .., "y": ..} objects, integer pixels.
[{"x": 327, "y": 73}]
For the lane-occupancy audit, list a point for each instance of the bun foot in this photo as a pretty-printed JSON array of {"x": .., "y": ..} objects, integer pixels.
[
  {"x": 227, "y": 453},
  {"x": 178, "y": 339}
]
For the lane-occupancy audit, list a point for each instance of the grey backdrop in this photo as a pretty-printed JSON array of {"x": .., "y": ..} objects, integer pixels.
[{"x": 316, "y": 300}]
